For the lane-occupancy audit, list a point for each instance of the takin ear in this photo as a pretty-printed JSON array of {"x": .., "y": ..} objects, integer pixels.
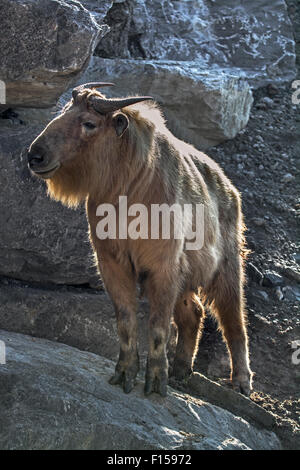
[{"x": 120, "y": 123}]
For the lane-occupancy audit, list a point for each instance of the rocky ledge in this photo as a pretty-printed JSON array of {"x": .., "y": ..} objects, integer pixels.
[{"x": 56, "y": 397}]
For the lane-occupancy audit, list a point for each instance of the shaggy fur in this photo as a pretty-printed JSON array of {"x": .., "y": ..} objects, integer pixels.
[{"x": 151, "y": 166}]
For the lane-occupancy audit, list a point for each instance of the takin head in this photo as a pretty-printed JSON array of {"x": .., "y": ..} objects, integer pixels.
[{"x": 66, "y": 153}]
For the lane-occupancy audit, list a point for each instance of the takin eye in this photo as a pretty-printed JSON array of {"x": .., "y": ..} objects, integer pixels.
[{"x": 89, "y": 125}]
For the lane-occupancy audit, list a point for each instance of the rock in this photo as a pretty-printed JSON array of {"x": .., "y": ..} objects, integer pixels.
[
  {"x": 269, "y": 102},
  {"x": 263, "y": 295},
  {"x": 239, "y": 404},
  {"x": 278, "y": 293},
  {"x": 204, "y": 108},
  {"x": 292, "y": 274},
  {"x": 98, "y": 9},
  {"x": 83, "y": 318},
  {"x": 40, "y": 240},
  {"x": 49, "y": 44},
  {"x": 272, "y": 279},
  {"x": 288, "y": 177},
  {"x": 291, "y": 293},
  {"x": 251, "y": 243},
  {"x": 57, "y": 397},
  {"x": 222, "y": 35},
  {"x": 11, "y": 117},
  {"x": 265, "y": 103},
  {"x": 273, "y": 90},
  {"x": 254, "y": 273},
  {"x": 120, "y": 42},
  {"x": 227, "y": 398},
  {"x": 261, "y": 105},
  {"x": 35, "y": 116},
  {"x": 259, "y": 221}
]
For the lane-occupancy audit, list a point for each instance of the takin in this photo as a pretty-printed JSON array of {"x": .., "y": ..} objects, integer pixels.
[{"x": 99, "y": 149}]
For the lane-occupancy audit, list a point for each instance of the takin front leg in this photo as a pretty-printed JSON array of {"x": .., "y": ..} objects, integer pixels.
[
  {"x": 161, "y": 292},
  {"x": 188, "y": 316},
  {"x": 120, "y": 284}
]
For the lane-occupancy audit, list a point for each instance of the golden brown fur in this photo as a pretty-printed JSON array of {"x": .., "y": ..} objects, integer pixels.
[{"x": 151, "y": 166}]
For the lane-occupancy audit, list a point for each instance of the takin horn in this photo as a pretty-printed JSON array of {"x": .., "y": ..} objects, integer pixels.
[
  {"x": 89, "y": 85},
  {"x": 104, "y": 106}
]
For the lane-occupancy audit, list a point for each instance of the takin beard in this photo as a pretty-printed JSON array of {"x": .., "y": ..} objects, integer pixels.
[
  {"x": 90, "y": 172},
  {"x": 70, "y": 186}
]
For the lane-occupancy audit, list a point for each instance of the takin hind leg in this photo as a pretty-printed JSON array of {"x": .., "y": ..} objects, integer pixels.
[
  {"x": 228, "y": 306},
  {"x": 188, "y": 316}
]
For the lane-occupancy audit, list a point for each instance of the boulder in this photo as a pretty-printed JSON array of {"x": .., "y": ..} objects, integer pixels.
[
  {"x": 201, "y": 107},
  {"x": 245, "y": 38},
  {"x": 40, "y": 240},
  {"x": 56, "y": 397},
  {"x": 44, "y": 45},
  {"x": 85, "y": 319}
]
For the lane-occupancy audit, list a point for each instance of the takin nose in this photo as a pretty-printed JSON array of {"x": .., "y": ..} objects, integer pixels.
[{"x": 36, "y": 159}]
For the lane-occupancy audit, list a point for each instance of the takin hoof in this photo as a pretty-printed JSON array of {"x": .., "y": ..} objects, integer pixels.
[
  {"x": 156, "y": 384},
  {"x": 156, "y": 381},
  {"x": 242, "y": 383},
  {"x": 125, "y": 375},
  {"x": 120, "y": 378}
]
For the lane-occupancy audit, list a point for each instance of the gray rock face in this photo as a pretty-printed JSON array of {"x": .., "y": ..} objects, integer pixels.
[
  {"x": 40, "y": 240},
  {"x": 44, "y": 45},
  {"x": 77, "y": 317},
  {"x": 250, "y": 39},
  {"x": 98, "y": 9},
  {"x": 203, "y": 108},
  {"x": 57, "y": 397}
]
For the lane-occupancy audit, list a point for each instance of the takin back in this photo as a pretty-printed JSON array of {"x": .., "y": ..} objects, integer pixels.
[{"x": 99, "y": 149}]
